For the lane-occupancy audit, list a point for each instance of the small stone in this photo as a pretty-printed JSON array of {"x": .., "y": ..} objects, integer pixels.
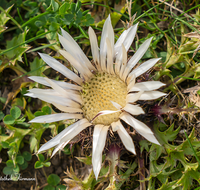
[
  {"x": 49, "y": 170},
  {"x": 64, "y": 165},
  {"x": 55, "y": 160},
  {"x": 59, "y": 170}
]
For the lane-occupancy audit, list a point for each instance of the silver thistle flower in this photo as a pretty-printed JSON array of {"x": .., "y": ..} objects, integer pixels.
[{"x": 102, "y": 95}]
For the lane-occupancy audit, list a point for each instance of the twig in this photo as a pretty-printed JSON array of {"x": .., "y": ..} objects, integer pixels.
[
  {"x": 186, "y": 15},
  {"x": 141, "y": 171}
]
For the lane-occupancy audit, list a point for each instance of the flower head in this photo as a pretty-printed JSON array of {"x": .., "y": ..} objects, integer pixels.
[{"x": 103, "y": 94}]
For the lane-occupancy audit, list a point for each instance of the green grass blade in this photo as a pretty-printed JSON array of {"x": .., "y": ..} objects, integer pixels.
[
  {"x": 27, "y": 41},
  {"x": 192, "y": 147},
  {"x": 189, "y": 78}
]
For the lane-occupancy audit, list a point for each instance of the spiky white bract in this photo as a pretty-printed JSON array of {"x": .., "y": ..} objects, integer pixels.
[
  {"x": 66, "y": 135},
  {"x": 119, "y": 78},
  {"x": 146, "y": 86},
  {"x": 99, "y": 140},
  {"x": 125, "y": 137}
]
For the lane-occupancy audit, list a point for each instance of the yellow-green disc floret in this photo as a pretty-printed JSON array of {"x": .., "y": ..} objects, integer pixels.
[{"x": 97, "y": 95}]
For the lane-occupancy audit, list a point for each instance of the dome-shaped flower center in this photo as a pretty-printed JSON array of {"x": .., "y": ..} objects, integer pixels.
[{"x": 97, "y": 95}]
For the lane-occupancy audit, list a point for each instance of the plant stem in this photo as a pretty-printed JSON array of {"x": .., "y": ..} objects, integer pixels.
[
  {"x": 141, "y": 171},
  {"x": 44, "y": 172}
]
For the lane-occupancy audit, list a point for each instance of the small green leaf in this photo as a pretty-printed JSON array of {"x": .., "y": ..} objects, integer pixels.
[
  {"x": 79, "y": 14},
  {"x": 41, "y": 157},
  {"x": 53, "y": 179},
  {"x": 86, "y": 12},
  {"x": 8, "y": 120},
  {"x": 78, "y": 6},
  {"x": 47, "y": 164},
  {"x": 7, "y": 170},
  {"x": 61, "y": 187},
  {"x": 37, "y": 67},
  {"x": 39, "y": 23},
  {"x": 5, "y": 144},
  {"x": 20, "y": 160},
  {"x": 63, "y": 8},
  {"x": 38, "y": 165},
  {"x": 55, "y": 5},
  {"x": 1, "y": 115},
  {"x": 19, "y": 102},
  {"x": 13, "y": 144},
  {"x": 87, "y": 20},
  {"x": 52, "y": 19},
  {"x": 33, "y": 143},
  {"x": 16, "y": 168},
  {"x": 27, "y": 155},
  {"x": 163, "y": 55},
  {"x": 39, "y": 113},
  {"x": 67, "y": 150},
  {"x": 10, "y": 163},
  {"x": 4, "y": 17},
  {"x": 46, "y": 125},
  {"x": 24, "y": 165},
  {"x": 54, "y": 26},
  {"x": 24, "y": 90},
  {"x": 68, "y": 18},
  {"x": 86, "y": 160},
  {"x": 3, "y": 100},
  {"x": 20, "y": 120},
  {"x": 49, "y": 187},
  {"x": 46, "y": 110},
  {"x": 19, "y": 123},
  {"x": 16, "y": 53},
  {"x": 144, "y": 145},
  {"x": 52, "y": 35},
  {"x": 73, "y": 6},
  {"x": 15, "y": 112}
]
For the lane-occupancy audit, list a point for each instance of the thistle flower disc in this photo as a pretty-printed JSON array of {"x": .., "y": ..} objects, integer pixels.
[{"x": 97, "y": 95}]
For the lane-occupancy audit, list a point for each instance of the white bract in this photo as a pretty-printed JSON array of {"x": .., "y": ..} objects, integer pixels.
[{"x": 102, "y": 95}]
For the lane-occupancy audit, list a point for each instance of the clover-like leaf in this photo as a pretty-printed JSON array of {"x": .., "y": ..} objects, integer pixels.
[
  {"x": 55, "y": 5},
  {"x": 68, "y": 18},
  {"x": 49, "y": 187},
  {"x": 8, "y": 120},
  {"x": 7, "y": 170},
  {"x": 41, "y": 157},
  {"x": 60, "y": 187},
  {"x": 10, "y": 163},
  {"x": 5, "y": 144},
  {"x": 63, "y": 8},
  {"x": 53, "y": 179},
  {"x": 46, "y": 110},
  {"x": 24, "y": 165},
  {"x": 20, "y": 160},
  {"x": 38, "y": 165},
  {"x": 47, "y": 164},
  {"x": 27, "y": 155},
  {"x": 15, "y": 112}
]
